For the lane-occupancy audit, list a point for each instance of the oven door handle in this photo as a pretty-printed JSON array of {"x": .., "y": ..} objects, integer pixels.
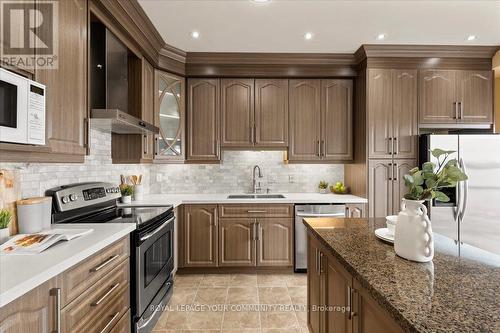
[
  {"x": 152, "y": 233},
  {"x": 145, "y": 322}
]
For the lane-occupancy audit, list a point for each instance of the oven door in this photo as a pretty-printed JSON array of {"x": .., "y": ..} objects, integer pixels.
[
  {"x": 154, "y": 261},
  {"x": 13, "y": 107}
]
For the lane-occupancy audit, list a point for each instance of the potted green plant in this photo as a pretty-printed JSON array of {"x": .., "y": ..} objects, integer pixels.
[
  {"x": 5, "y": 218},
  {"x": 126, "y": 191},
  {"x": 323, "y": 187},
  {"x": 413, "y": 238}
]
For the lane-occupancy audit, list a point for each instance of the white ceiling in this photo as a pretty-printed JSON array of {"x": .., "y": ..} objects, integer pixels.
[{"x": 338, "y": 26}]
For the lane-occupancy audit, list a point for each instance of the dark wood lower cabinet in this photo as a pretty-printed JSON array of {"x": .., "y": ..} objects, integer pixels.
[
  {"x": 337, "y": 303},
  {"x": 243, "y": 236},
  {"x": 237, "y": 242},
  {"x": 199, "y": 236}
]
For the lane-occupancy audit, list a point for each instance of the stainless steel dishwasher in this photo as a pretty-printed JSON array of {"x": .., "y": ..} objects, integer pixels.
[{"x": 303, "y": 211}]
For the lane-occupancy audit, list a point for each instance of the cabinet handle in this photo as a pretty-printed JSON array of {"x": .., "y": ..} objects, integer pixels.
[
  {"x": 461, "y": 114},
  {"x": 256, "y": 211},
  {"x": 57, "y": 293},
  {"x": 254, "y": 133},
  {"x": 350, "y": 291},
  {"x": 108, "y": 325},
  {"x": 258, "y": 231},
  {"x": 455, "y": 104},
  {"x": 320, "y": 262},
  {"x": 390, "y": 146},
  {"x": 103, "y": 297},
  {"x": 395, "y": 143},
  {"x": 146, "y": 148},
  {"x": 347, "y": 212},
  {"x": 391, "y": 172},
  {"x": 323, "y": 148},
  {"x": 319, "y": 149},
  {"x": 104, "y": 264}
]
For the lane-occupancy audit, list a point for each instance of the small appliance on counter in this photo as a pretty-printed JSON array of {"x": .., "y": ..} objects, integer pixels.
[
  {"x": 152, "y": 254},
  {"x": 33, "y": 214}
]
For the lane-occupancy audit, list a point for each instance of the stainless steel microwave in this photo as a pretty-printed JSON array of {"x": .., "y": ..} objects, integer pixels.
[{"x": 22, "y": 109}]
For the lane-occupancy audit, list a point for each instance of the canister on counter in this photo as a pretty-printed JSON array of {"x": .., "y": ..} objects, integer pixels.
[{"x": 34, "y": 214}]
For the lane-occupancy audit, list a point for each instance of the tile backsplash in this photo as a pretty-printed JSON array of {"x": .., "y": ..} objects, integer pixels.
[{"x": 234, "y": 174}]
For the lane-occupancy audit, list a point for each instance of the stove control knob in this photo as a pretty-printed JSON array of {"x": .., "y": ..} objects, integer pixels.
[
  {"x": 73, "y": 197},
  {"x": 65, "y": 200}
]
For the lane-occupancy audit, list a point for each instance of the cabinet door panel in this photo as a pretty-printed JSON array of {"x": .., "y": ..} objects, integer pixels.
[
  {"x": 336, "y": 119},
  {"x": 370, "y": 317},
  {"x": 355, "y": 210},
  {"x": 401, "y": 168},
  {"x": 237, "y": 107},
  {"x": 305, "y": 113},
  {"x": 148, "y": 112},
  {"x": 380, "y": 113},
  {"x": 474, "y": 93},
  {"x": 169, "y": 116},
  {"x": 437, "y": 97},
  {"x": 380, "y": 188},
  {"x": 66, "y": 100},
  {"x": 199, "y": 238},
  {"x": 203, "y": 120},
  {"x": 275, "y": 242},
  {"x": 237, "y": 242},
  {"x": 313, "y": 286},
  {"x": 337, "y": 282},
  {"x": 405, "y": 122},
  {"x": 271, "y": 113}
]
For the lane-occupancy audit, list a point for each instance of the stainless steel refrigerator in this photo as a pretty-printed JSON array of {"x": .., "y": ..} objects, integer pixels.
[{"x": 473, "y": 214}]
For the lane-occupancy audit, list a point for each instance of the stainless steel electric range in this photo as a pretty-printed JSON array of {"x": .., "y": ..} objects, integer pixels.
[{"x": 152, "y": 261}]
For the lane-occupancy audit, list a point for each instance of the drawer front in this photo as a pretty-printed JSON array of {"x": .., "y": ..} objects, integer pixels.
[
  {"x": 78, "y": 279},
  {"x": 255, "y": 210},
  {"x": 123, "y": 325},
  {"x": 95, "y": 301}
]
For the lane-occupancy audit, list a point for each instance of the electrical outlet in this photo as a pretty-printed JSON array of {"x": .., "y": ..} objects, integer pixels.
[
  {"x": 291, "y": 178},
  {"x": 158, "y": 177}
]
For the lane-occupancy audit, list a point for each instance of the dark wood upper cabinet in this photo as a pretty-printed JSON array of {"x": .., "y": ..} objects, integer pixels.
[
  {"x": 66, "y": 100},
  {"x": 199, "y": 236},
  {"x": 437, "y": 103},
  {"x": 271, "y": 113},
  {"x": 380, "y": 129},
  {"x": 170, "y": 145},
  {"x": 405, "y": 113},
  {"x": 474, "y": 95},
  {"x": 305, "y": 120},
  {"x": 237, "y": 112},
  {"x": 203, "y": 115},
  {"x": 336, "y": 120},
  {"x": 456, "y": 97}
]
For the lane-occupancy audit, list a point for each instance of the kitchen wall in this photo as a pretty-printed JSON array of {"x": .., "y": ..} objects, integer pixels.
[
  {"x": 38, "y": 177},
  {"x": 234, "y": 174}
]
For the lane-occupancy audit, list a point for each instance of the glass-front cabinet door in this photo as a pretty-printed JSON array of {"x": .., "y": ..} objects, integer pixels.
[{"x": 169, "y": 117}]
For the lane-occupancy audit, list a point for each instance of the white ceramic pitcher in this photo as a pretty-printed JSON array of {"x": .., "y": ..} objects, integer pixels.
[{"x": 413, "y": 238}]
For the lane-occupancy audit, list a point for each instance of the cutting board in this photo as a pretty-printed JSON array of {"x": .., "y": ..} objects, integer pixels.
[{"x": 10, "y": 192}]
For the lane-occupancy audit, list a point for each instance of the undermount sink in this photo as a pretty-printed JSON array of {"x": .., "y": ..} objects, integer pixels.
[{"x": 256, "y": 196}]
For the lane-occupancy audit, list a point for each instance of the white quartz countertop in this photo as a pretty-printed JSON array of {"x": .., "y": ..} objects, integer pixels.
[
  {"x": 21, "y": 273},
  {"x": 294, "y": 198}
]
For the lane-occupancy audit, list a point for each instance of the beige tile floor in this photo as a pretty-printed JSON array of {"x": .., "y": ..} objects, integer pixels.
[{"x": 215, "y": 303}]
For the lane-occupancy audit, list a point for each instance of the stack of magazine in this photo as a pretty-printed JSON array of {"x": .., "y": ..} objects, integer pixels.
[{"x": 36, "y": 243}]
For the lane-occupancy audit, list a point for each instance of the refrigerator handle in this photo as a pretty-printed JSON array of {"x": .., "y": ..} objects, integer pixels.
[{"x": 461, "y": 213}]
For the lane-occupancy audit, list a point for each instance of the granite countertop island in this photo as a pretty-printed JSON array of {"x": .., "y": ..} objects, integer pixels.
[{"x": 459, "y": 291}]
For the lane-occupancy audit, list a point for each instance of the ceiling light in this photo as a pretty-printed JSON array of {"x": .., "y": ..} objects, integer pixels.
[
  {"x": 308, "y": 35},
  {"x": 195, "y": 34},
  {"x": 470, "y": 38},
  {"x": 381, "y": 36}
]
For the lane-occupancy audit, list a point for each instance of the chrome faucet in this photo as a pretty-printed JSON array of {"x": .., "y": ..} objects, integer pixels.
[{"x": 256, "y": 184}]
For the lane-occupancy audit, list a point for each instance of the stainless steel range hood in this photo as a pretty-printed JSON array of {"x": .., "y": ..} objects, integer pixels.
[
  {"x": 113, "y": 72},
  {"x": 116, "y": 121}
]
